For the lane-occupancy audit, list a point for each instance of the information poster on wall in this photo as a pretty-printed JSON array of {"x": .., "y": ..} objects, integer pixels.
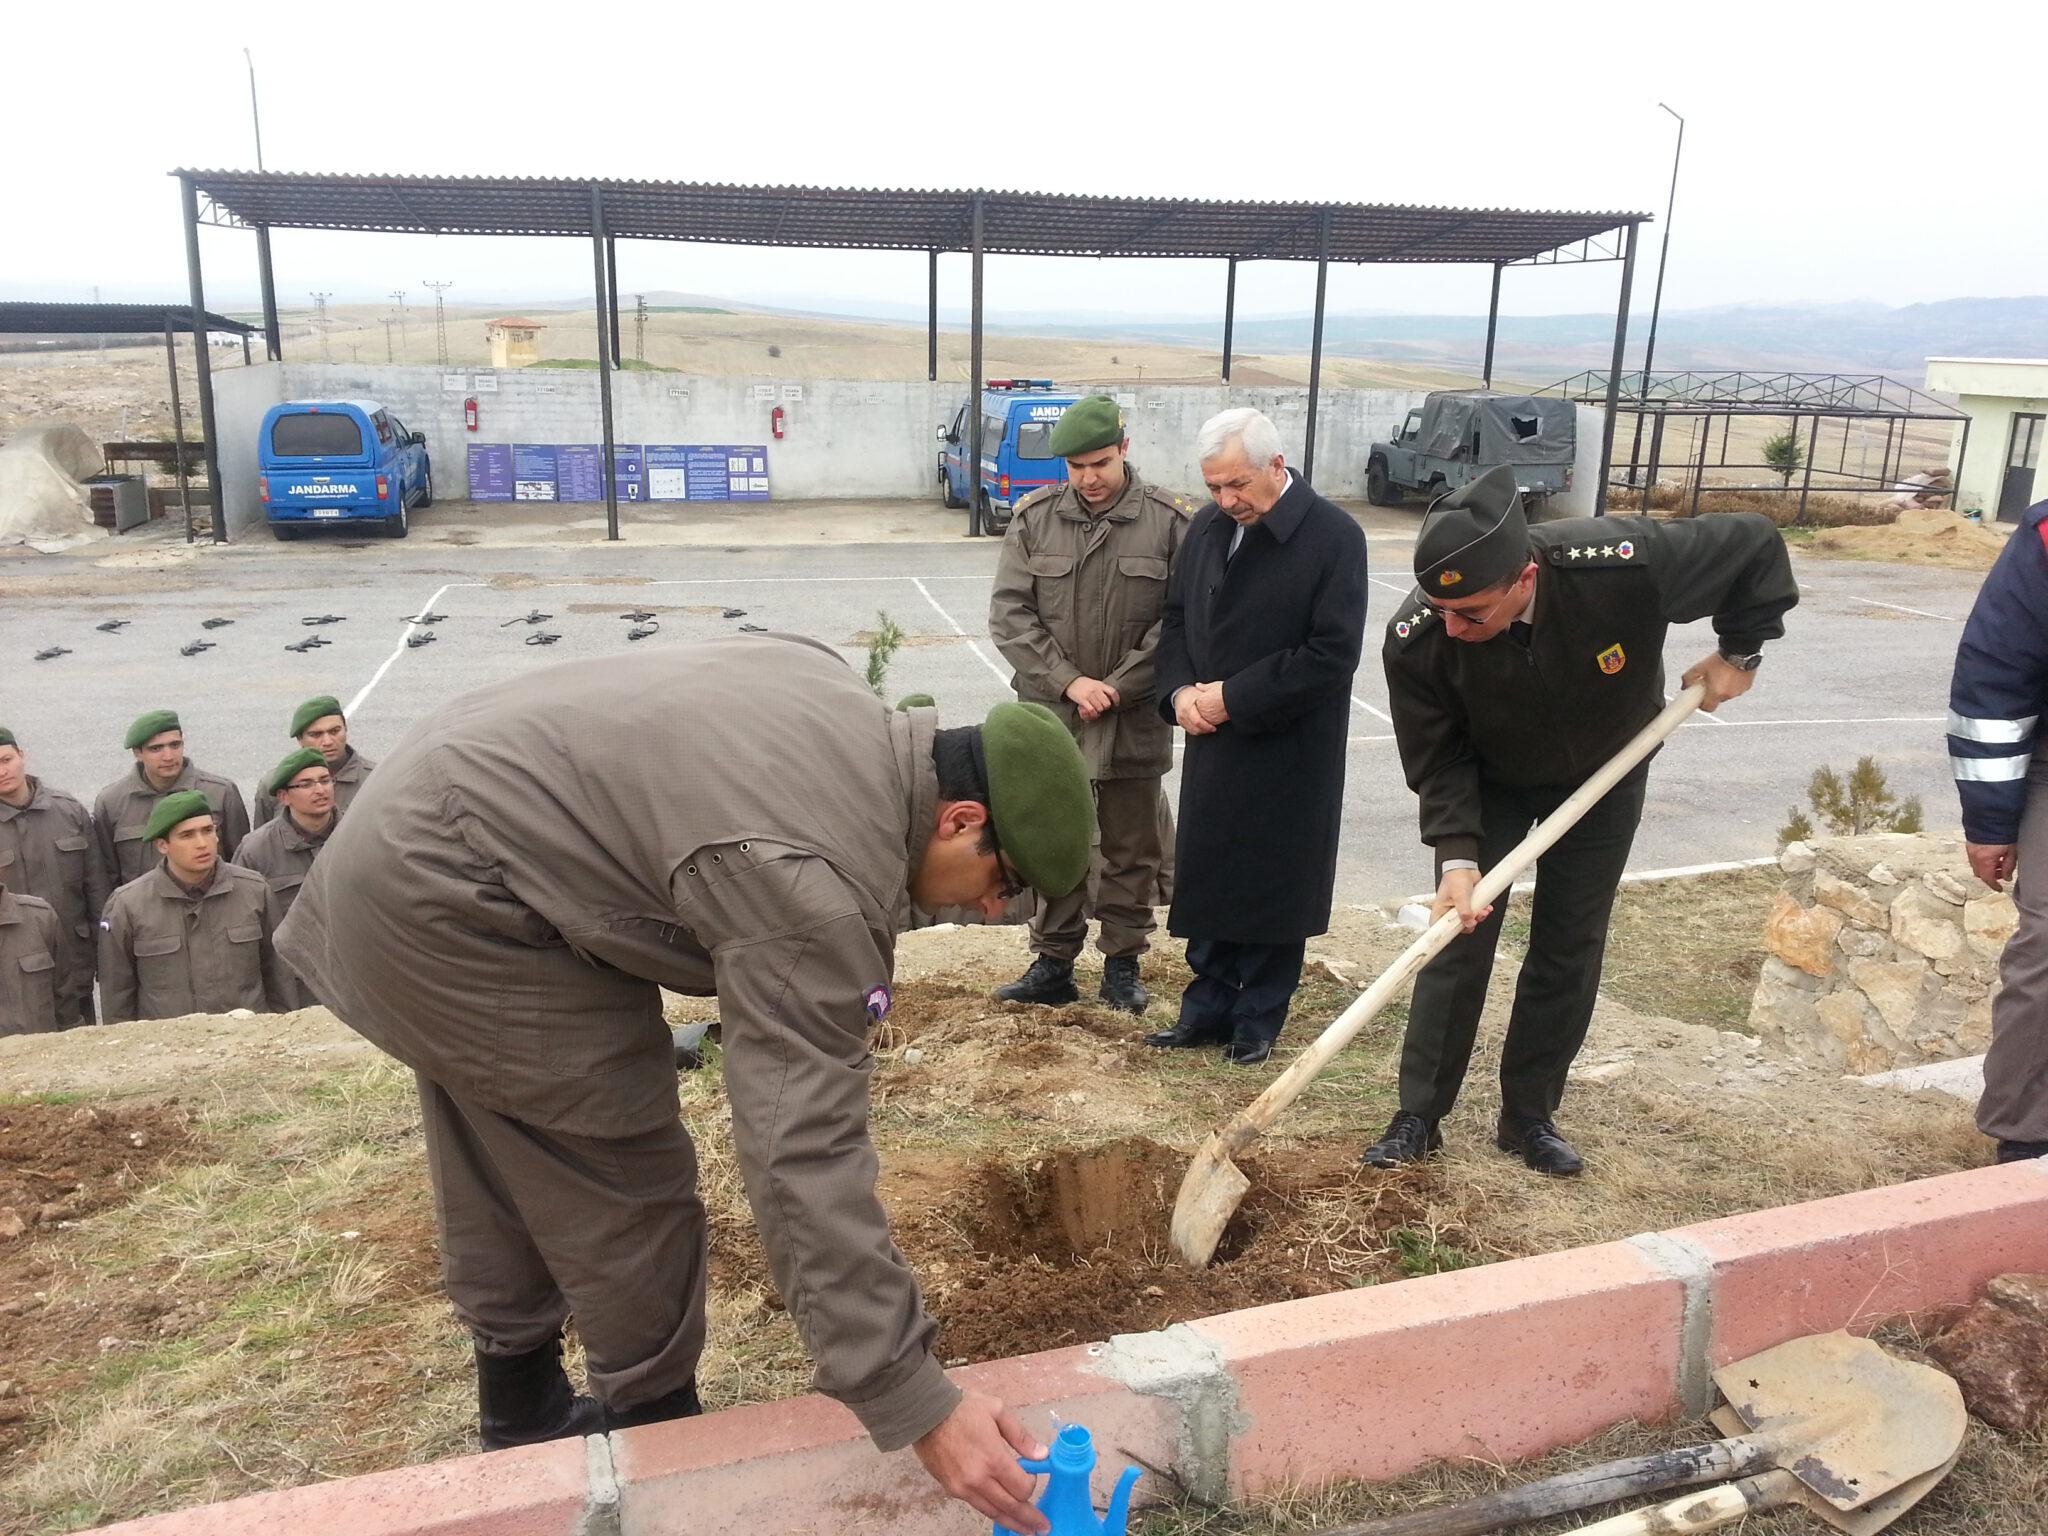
[
  {"x": 706, "y": 472},
  {"x": 579, "y": 472},
  {"x": 490, "y": 471},
  {"x": 535, "y": 472},
  {"x": 574, "y": 472},
  {"x": 631, "y": 465}
]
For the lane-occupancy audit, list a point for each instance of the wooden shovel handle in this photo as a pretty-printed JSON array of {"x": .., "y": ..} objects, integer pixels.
[
  {"x": 1704, "y": 1511},
  {"x": 1251, "y": 1122},
  {"x": 1580, "y": 1489}
]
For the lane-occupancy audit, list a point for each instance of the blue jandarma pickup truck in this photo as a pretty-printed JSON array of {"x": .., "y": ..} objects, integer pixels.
[{"x": 341, "y": 463}]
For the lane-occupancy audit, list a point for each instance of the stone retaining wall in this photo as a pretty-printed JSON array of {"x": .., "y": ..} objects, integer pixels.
[{"x": 1883, "y": 953}]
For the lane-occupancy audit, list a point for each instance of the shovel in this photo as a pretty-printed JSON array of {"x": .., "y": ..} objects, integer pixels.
[
  {"x": 1214, "y": 1185},
  {"x": 1830, "y": 1422}
]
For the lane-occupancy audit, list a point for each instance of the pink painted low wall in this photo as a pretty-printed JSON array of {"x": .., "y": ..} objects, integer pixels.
[{"x": 1505, "y": 1361}]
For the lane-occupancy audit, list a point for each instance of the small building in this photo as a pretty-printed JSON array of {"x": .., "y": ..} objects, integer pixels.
[
  {"x": 515, "y": 341},
  {"x": 2006, "y": 399}
]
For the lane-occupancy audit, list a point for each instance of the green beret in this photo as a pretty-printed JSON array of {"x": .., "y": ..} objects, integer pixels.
[
  {"x": 173, "y": 809},
  {"x": 311, "y": 710},
  {"x": 1474, "y": 538},
  {"x": 1039, "y": 799},
  {"x": 1088, "y": 424},
  {"x": 917, "y": 701},
  {"x": 294, "y": 764},
  {"x": 155, "y": 723},
  {"x": 7, "y": 736}
]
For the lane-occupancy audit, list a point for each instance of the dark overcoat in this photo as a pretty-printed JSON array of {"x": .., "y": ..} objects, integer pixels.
[{"x": 1280, "y": 624}]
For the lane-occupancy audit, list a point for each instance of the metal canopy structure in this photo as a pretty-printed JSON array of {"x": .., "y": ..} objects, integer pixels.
[
  {"x": 976, "y": 223},
  {"x": 1803, "y": 398}
]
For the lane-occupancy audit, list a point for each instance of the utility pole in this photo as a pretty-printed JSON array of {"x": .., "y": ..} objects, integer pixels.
[
  {"x": 440, "y": 317},
  {"x": 639, "y": 327},
  {"x": 1657, "y": 300},
  {"x": 388, "y": 323},
  {"x": 399, "y": 294},
  {"x": 255, "y": 117},
  {"x": 320, "y": 324}
]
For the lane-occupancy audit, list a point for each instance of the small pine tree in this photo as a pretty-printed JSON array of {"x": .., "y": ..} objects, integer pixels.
[
  {"x": 882, "y": 650},
  {"x": 1853, "y": 805},
  {"x": 1783, "y": 454}
]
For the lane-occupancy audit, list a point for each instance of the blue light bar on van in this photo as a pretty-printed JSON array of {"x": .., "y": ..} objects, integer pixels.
[{"x": 1019, "y": 384}]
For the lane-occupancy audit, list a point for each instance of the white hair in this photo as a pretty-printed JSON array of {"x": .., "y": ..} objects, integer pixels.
[{"x": 1250, "y": 429}]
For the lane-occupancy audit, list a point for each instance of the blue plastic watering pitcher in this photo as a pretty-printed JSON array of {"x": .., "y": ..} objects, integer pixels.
[{"x": 1065, "y": 1501}]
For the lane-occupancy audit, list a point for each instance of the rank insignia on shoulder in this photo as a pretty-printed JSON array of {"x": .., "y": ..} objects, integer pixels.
[
  {"x": 1613, "y": 659},
  {"x": 1625, "y": 549},
  {"x": 878, "y": 1002},
  {"x": 1403, "y": 628}
]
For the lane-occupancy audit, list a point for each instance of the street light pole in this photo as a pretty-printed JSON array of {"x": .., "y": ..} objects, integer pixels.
[
  {"x": 255, "y": 116},
  {"x": 1657, "y": 300}
]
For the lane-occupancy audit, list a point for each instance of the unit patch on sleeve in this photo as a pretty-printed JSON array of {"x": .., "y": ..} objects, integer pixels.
[
  {"x": 878, "y": 1002},
  {"x": 1613, "y": 659}
]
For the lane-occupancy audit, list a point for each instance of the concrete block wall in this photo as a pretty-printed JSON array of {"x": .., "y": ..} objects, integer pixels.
[{"x": 1504, "y": 1362}]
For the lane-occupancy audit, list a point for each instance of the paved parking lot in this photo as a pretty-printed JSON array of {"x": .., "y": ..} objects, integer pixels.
[{"x": 1863, "y": 670}]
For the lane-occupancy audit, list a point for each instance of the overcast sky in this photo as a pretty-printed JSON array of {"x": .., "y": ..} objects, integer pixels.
[{"x": 1883, "y": 152}]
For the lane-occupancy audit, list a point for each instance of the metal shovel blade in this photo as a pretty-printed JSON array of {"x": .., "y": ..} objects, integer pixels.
[
  {"x": 1872, "y": 1517},
  {"x": 1877, "y": 1422},
  {"x": 1208, "y": 1198}
]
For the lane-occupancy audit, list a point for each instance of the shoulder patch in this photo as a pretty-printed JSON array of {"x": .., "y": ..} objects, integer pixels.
[
  {"x": 1037, "y": 498},
  {"x": 1412, "y": 619},
  {"x": 1183, "y": 504},
  {"x": 1601, "y": 552}
]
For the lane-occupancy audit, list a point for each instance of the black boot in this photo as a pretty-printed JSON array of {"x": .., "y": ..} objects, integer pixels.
[
  {"x": 679, "y": 1404},
  {"x": 525, "y": 1399},
  {"x": 1408, "y": 1139},
  {"x": 1539, "y": 1145},
  {"x": 1120, "y": 985},
  {"x": 1049, "y": 982},
  {"x": 2021, "y": 1151}
]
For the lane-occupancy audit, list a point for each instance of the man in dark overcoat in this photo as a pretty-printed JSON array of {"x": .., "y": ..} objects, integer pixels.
[{"x": 1264, "y": 621}]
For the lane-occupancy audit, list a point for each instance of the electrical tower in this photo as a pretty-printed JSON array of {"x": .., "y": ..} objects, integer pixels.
[
  {"x": 399, "y": 294},
  {"x": 639, "y": 327},
  {"x": 440, "y": 318},
  {"x": 320, "y": 324}
]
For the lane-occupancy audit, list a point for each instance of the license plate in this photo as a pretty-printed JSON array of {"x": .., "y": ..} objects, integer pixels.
[{"x": 327, "y": 512}]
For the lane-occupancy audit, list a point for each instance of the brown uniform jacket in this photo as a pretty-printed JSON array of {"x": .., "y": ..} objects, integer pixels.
[
  {"x": 46, "y": 851},
  {"x": 1081, "y": 596},
  {"x": 122, "y": 811},
  {"x": 31, "y": 938},
  {"x": 283, "y": 855},
  {"x": 737, "y": 816},
  {"x": 348, "y": 778},
  {"x": 164, "y": 953}
]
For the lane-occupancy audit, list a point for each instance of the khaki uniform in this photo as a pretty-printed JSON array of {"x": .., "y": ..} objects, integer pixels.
[
  {"x": 1080, "y": 595},
  {"x": 499, "y": 909},
  {"x": 283, "y": 854},
  {"x": 165, "y": 952},
  {"x": 46, "y": 851},
  {"x": 122, "y": 811},
  {"x": 31, "y": 938},
  {"x": 348, "y": 778}
]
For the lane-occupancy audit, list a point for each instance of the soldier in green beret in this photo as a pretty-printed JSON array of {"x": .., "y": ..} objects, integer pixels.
[
  {"x": 1522, "y": 661},
  {"x": 1079, "y": 589},
  {"x": 739, "y": 817},
  {"x": 194, "y": 935},
  {"x": 282, "y": 850},
  {"x": 157, "y": 743},
  {"x": 31, "y": 942},
  {"x": 46, "y": 851},
  {"x": 319, "y": 724}
]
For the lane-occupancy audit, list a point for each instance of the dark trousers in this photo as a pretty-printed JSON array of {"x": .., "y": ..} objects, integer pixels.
[
  {"x": 1240, "y": 991},
  {"x": 1574, "y": 897},
  {"x": 536, "y": 1224}
]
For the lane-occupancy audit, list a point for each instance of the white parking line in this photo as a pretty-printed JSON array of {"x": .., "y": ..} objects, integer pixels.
[
  {"x": 1852, "y": 720},
  {"x": 1377, "y": 714},
  {"x": 398, "y": 650},
  {"x": 972, "y": 645},
  {"x": 1899, "y": 608}
]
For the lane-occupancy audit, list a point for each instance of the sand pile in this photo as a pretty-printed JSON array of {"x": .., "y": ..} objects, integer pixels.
[{"x": 1921, "y": 536}]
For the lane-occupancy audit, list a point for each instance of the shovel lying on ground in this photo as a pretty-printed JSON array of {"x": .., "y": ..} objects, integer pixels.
[
  {"x": 1830, "y": 1422},
  {"x": 1214, "y": 1185}
]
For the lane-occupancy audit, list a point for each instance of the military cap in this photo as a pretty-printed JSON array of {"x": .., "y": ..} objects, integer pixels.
[
  {"x": 1092, "y": 422},
  {"x": 917, "y": 701},
  {"x": 1039, "y": 800},
  {"x": 311, "y": 710},
  {"x": 7, "y": 738},
  {"x": 173, "y": 809},
  {"x": 1474, "y": 538},
  {"x": 294, "y": 764},
  {"x": 155, "y": 723}
]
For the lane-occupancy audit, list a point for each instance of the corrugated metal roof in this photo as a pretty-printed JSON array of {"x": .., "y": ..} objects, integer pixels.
[
  {"x": 1013, "y": 223},
  {"x": 33, "y": 318}
]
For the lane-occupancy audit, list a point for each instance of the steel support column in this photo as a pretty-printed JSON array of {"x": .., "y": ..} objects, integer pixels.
[
  {"x": 611, "y": 289},
  {"x": 1699, "y": 481},
  {"x": 931, "y": 317},
  {"x": 190, "y": 197},
  {"x": 1315, "y": 351},
  {"x": 1812, "y": 447},
  {"x": 178, "y": 426},
  {"x": 1492, "y": 324},
  {"x": 1628, "y": 277},
  {"x": 600, "y": 243},
  {"x": 1656, "y": 454},
  {"x": 273, "y": 344},
  {"x": 974, "y": 365},
  {"x": 1229, "y": 311}
]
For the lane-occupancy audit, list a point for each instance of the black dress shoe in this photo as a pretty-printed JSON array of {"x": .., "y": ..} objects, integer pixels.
[
  {"x": 1120, "y": 985},
  {"x": 1408, "y": 1139},
  {"x": 1049, "y": 983},
  {"x": 1539, "y": 1145},
  {"x": 1185, "y": 1036},
  {"x": 2021, "y": 1151},
  {"x": 1247, "y": 1053}
]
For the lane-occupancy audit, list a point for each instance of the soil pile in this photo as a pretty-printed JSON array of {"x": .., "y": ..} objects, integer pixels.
[
  {"x": 63, "y": 1161},
  {"x": 1921, "y": 536}
]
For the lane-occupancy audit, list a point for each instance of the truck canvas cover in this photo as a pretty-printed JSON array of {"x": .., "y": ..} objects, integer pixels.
[{"x": 1512, "y": 429}]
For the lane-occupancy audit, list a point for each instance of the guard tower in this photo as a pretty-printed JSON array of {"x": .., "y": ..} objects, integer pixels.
[{"x": 515, "y": 341}]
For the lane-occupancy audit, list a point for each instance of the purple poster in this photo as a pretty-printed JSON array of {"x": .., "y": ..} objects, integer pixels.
[
  {"x": 706, "y": 472},
  {"x": 533, "y": 472},
  {"x": 579, "y": 472},
  {"x": 490, "y": 472},
  {"x": 632, "y": 471}
]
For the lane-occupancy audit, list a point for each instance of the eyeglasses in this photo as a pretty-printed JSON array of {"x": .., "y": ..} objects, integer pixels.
[
  {"x": 1479, "y": 620},
  {"x": 310, "y": 784}
]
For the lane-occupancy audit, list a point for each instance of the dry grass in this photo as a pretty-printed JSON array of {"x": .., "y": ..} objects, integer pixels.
[
  {"x": 1781, "y": 507},
  {"x": 1691, "y": 949}
]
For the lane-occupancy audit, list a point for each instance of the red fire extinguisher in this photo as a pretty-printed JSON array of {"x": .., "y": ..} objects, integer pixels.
[
  {"x": 775, "y": 422},
  {"x": 469, "y": 413}
]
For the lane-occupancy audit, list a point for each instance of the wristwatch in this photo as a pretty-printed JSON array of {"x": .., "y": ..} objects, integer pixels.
[{"x": 1747, "y": 663}]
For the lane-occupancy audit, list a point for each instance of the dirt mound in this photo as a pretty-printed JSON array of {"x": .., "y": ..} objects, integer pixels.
[
  {"x": 1921, "y": 536},
  {"x": 64, "y": 1161}
]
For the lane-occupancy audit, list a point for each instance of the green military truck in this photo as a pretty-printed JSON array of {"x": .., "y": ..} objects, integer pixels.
[{"x": 1457, "y": 435}]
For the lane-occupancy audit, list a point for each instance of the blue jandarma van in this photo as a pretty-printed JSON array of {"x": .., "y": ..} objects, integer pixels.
[
  {"x": 340, "y": 463},
  {"x": 1017, "y": 418}
]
